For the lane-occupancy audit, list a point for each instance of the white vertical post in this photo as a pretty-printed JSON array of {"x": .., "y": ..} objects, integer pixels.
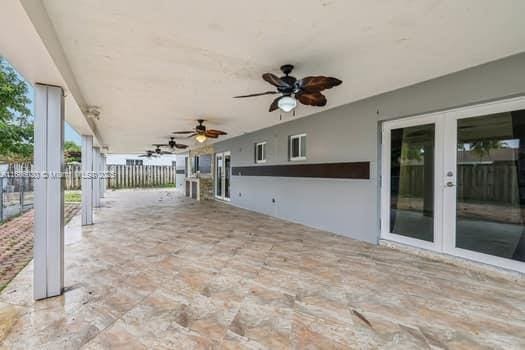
[
  {"x": 106, "y": 170},
  {"x": 87, "y": 180},
  {"x": 102, "y": 171},
  {"x": 48, "y": 251},
  {"x": 96, "y": 179},
  {"x": 180, "y": 164}
]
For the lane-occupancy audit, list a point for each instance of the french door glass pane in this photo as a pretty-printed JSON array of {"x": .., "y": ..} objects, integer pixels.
[
  {"x": 227, "y": 165},
  {"x": 490, "y": 208},
  {"x": 412, "y": 182},
  {"x": 218, "y": 177}
]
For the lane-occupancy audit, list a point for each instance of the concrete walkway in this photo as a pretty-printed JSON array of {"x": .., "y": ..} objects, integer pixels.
[{"x": 164, "y": 272}]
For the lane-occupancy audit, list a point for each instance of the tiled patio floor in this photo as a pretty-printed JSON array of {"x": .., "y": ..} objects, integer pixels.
[
  {"x": 16, "y": 242},
  {"x": 159, "y": 271}
]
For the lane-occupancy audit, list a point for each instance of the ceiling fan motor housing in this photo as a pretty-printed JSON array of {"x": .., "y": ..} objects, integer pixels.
[
  {"x": 200, "y": 128},
  {"x": 287, "y": 68}
]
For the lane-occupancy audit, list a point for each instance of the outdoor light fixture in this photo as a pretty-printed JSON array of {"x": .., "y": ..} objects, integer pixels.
[
  {"x": 287, "y": 103},
  {"x": 201, "y": 138}
]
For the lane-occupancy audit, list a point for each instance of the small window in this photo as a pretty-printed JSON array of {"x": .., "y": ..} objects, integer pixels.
[
  {"x": 260, "y": 152},
  {"x": 134, "y": 162},
  {"x": 298, "y": 147}
]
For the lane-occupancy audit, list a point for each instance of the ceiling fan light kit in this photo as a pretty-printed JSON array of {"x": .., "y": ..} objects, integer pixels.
[
  {"x": 201, "y": 138},
  {"x": 287, "y": 104}
]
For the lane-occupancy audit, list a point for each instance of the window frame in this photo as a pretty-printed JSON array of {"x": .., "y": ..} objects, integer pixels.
[
  {"x": 263, "y": 160},
  {"x": 290, "y": 147},
  {"x": 134, "y": 162}
]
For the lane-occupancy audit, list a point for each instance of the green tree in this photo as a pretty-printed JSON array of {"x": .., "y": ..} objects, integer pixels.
[
  {"x": 483, "y": 147},
  {"x": 71, "y": 152},
  {"x": 16, "y": 127}
]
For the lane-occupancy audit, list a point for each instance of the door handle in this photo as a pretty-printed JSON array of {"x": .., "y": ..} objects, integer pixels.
[{"x": 450, "y": 184}]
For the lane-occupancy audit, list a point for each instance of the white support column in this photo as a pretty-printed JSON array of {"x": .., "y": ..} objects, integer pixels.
[
  {"x": 102, "y": 171},
  {"x": 48, "y": 251},
  {"x": 96, "y": 179},
  {"x": 87, "y": 180},
  {"x": 180, "y": 174}
]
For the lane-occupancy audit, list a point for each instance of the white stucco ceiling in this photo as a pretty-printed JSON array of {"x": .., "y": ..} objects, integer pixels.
[
  {"x": 155, "y": 66},
  {"x": 22, "y": 46}
]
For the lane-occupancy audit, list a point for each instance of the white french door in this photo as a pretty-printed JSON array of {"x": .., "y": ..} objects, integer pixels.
[
  {"x": 454, "y": 182},
  {"x": 222, "y": 175}
]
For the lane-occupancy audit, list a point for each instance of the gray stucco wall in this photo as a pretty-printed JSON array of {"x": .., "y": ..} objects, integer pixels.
[{"x": 351, "y": 133}]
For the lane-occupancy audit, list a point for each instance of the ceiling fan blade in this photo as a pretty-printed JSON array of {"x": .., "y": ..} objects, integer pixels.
[
  {"x": 186, "y": 137},
  {"x": 258, "y": 94},
  {"x": 218, "y": 132},
  {"x": 210, "y": 135},
  {"x": 166, "y": 152},
  {"x": 275, "y": 104},
  {"x": 143, "y": 155},
  {"x": 160, "y": 145},
  {"x": 275, "y": 80},
  {"x": 183, "y": 132},
  {"x": 311, "y": 98},
  {"x": 318, "y": 83},
  {"x": 181, "y": 146}
]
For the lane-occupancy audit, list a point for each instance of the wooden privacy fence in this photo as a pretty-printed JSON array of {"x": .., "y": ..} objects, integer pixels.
[
  {"x": 72, "y": 176},
  {"x": 494, "y": 182},
  {"x": 130, "y": 176},
  {"x": 126, "y": 176}
]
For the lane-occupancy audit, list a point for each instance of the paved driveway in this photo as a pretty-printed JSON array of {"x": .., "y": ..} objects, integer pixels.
[{"x": 160, "y": 271}]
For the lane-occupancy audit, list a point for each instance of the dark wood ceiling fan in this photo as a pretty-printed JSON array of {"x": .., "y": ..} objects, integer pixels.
[
  {"x": 149, "y": 154},
  {"x": 158, "y": 149},
  {"x": 306, "y": 90},
  {"x": 201, "y": 132},
  {"x": 171, "y": 144}
]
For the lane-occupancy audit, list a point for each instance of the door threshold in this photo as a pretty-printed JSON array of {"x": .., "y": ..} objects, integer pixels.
[{"x": 475, "y": 266}]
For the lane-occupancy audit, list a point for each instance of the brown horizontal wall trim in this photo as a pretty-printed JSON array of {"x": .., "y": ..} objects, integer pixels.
[{"x": 353, "y": 170}]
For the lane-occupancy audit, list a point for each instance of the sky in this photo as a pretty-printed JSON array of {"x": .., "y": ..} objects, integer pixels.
[{"x": 69, "y": 133}]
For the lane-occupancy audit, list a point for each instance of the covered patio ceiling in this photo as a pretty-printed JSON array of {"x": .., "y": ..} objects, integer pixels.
[{"x": 155, "y": 66}]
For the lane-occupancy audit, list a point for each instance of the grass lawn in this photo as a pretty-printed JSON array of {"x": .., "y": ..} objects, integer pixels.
[{"x": 72, "y": 196}]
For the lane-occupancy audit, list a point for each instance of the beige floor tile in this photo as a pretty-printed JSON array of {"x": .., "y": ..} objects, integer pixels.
[{"x": 179, "y": 274}]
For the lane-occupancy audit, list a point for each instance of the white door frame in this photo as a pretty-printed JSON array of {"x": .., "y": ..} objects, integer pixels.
[
  {"x": 223, "y": 176},
  {"x": 437, "y": 120},
  {"x": 449, "y": 218},
  {"x": 444, "y": 196}
]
